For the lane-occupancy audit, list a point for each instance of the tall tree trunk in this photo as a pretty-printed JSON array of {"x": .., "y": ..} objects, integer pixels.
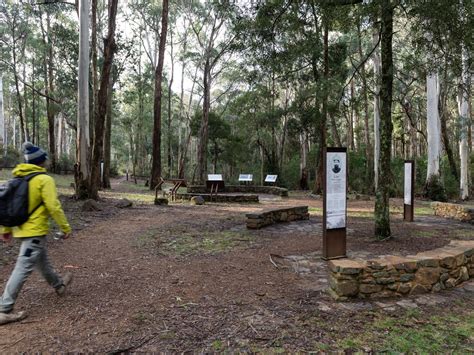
[
  {"x": 443, "y": 118},
  {"x": 382, "y": 203},
  {"x": 170, "y": 93},
  {"x": 464, "y": 123},
  {"x": 97, "y": 148},
  {"x": 108, "y": 135},
  {"x": 25, "y": 101},
  {"x": 363, "y": 76},
  {"x": 156, "y": 165},
  {"x": 433, "y": 125},
  {"x": 18, "y": 95},
  {"x": 204, "y": 131},
  {"x": 3, "y": 141},
  {"x": 50, "y": 112},
  {"x": 304, "y": 149},
  {"x": 94, "y": 69},
  {"x": 318, "y": 188},
  {"x": 33, "y": 104},
  {"x": 378, "y": 75},
  {"x": 82, "y": 167}
]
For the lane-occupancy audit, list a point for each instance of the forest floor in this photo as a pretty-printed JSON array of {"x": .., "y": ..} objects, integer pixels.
[{"x": 192, "y": 278}]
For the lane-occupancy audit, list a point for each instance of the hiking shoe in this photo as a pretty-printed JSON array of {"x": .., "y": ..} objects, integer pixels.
[
  {"x": 67, "y": 279},
  {"x": 11, "y": 317}
]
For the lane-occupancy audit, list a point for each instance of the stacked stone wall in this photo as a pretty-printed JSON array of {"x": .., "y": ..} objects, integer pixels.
[
  {"x": 394, "y": 276},
  {"x": 251, "y": 189},
  {"x": 268, "y": 217},
  {"x": 453, "y": 211},
  {"x": 220, "y": 197}
]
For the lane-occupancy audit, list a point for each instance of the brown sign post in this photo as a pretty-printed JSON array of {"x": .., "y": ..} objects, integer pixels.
[
  {"x": 409, "y": 191},
  {"x": 334, "y": 203}
]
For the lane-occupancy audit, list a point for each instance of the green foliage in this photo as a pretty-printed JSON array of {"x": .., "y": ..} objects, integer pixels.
[
  {"x": 65, "y": 163},
  {"x": 11, "y": 158},
  {"x": 434, "y": 189},
  {"x": 357, "y": 162}
]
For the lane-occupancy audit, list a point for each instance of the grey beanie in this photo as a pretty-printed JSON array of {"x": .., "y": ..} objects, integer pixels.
[{"x": 33, "y": 154}]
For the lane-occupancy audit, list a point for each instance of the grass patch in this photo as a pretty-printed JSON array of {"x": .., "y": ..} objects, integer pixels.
[
  {"x": 185, "y": 243},
  {"x": 409, "y": 334},
  {"x": 424, "y": 211},
  {"x": 137, "y": 197},
  {"x": 425, "y": 233}
]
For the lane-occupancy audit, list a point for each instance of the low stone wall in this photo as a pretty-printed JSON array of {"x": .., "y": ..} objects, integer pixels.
[
  {"x": 454, "y": 211},
  {"x": 220, "y": 197},
  {"x": 392, "y": 276},
  {"x": 271, "y": 190},
  {"x": 268, "y": 217}
]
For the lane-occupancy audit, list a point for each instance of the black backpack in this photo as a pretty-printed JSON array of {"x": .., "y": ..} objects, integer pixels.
[{"x": 14, "y": 201}]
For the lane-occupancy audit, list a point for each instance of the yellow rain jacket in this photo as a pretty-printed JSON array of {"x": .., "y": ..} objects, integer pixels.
[{"x": 42, "y": 189}]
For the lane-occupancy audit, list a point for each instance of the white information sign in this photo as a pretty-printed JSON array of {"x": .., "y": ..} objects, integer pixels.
[
  {"x": 336, "y": 163},
  {"x": 214, "y": 177},
  {"x": 407, "y": 187},
  {"x": 271, "y": 178},
  {"x": 245, "y": 177}
]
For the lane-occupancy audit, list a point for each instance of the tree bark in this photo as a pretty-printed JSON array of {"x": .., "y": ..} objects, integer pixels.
[
  {"x": 318, "y": 188},
  {"x": 433, "y": 125},
  {"x": 3, "y": 141},
  {"x": 377, "y": 75},
  {"x": 97, "y": 148},
  {"x": 107, "y": 135},
  {"x": 382, "y": 203},
  {"x": 156, "y": 165},
  {"x": 170, "y": 93},
  {"x": 204, "y": 131},
  {"x": 464, "y": 123},
  {"x": 82, "y": 167}
]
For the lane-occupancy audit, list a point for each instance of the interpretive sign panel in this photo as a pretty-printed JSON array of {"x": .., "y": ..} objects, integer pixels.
[
  {"x": 334, "y": 203},
  {"x": 408, "y": 191},
  {"x": 214, "y": 177},
  {"x": 271, "y": 178},
  {"x": 246, "y": 177},
  {"x": 335, "y": 190}
]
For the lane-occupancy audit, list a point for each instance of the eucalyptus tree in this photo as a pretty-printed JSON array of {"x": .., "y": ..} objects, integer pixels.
[
  {"x": 156, "y": 163},
  {"x": 210, "y": 23},
  {"x": 83, "y": 172},
  {"x": 15, "y": 29},
  {"x": 99, "y": 121}
]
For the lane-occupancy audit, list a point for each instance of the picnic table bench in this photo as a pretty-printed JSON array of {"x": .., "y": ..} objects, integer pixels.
[{"x": 177, "y": 183}]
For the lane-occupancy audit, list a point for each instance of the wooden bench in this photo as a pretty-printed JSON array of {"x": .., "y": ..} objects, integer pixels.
[
  {"x": 267, "y": 217},
  {"x": 177, "y": 183}
]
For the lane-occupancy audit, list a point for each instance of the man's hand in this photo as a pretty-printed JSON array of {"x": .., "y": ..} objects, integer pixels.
[
  {"x": 67, "y": 235},
  {"x": 6, "y": 237}
]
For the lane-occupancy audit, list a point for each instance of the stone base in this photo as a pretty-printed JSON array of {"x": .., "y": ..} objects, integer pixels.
[
  {"x": 268, "y": 217},
  {"x": 248, "y": 189},
  {"x": 394, "y": 276},
  {"x": 220, "y": 197}
]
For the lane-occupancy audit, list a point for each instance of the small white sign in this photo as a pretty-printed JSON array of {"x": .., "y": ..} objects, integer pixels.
[
  {"x": 245, "y": 177},
  {"x": 407, "y": 186},
  {"x": 336, "y": 190},
  {"x": 271, "y": 178},
  {"x": 214, "y": 177}
]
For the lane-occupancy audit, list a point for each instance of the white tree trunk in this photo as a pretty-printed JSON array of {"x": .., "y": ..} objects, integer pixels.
[
  {"x": 377, "y": 74},
  {"x": 2, "y": 117},
  {"x": 83, "y": 137},
  {"x": 433, "y": 125},
  {"x": 464, "y": 121}
]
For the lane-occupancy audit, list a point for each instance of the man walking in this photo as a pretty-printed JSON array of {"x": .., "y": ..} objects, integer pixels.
[{"x": 42, "y": 202}]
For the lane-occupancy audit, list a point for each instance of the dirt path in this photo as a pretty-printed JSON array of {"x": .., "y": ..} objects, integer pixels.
[{"x": 189, "y": 278}]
